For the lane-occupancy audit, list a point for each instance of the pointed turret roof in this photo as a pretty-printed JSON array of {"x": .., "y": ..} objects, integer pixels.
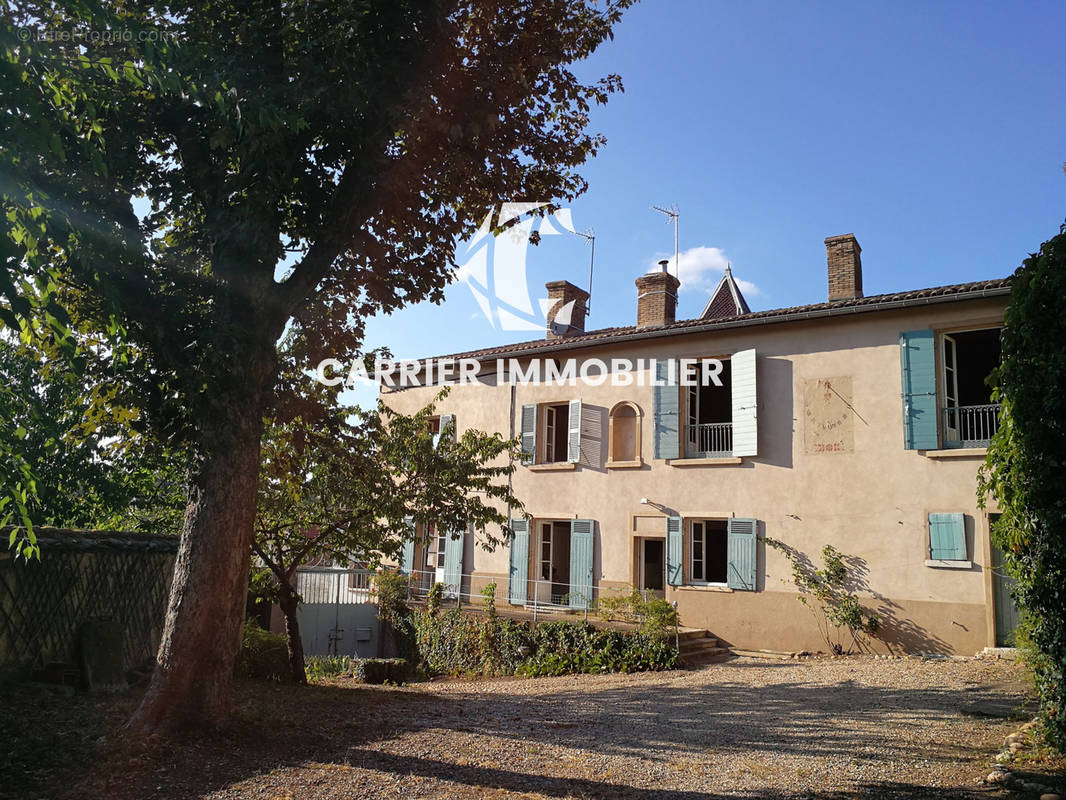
[{"x": 726, "y": 300}]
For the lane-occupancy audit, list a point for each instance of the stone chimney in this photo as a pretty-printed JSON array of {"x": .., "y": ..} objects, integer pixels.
[
  {"x": 561, "y": 294},
  {"x": 656, "y": 297},
  {"x": 845, "y": 267}
]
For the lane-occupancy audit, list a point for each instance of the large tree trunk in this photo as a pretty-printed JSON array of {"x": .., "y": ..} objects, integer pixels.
[
  {"x": 205, "y": 615},
  {"x": 288, "y": 603}
]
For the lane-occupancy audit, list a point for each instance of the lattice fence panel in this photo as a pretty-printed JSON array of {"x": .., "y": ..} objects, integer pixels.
[{"x": 44, "y": 603}]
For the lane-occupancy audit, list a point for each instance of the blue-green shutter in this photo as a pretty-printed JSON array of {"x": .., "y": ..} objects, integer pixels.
[
  {"x": 666, "y": 401},
  {"x": 518, "y": 580},
  {"x": 529, "y": 432},
  {"x": 917, "y": 358},
  {"x": 675, "y": 551},
  {"x": 741, "y": 554},
  {"x": 581, "y": 539},
  {"x": 453, "y": 563},
  {"x": 407, "y": 560},
  {"x": 573, "y": 432},
  {"x": 947, "y": 537}
]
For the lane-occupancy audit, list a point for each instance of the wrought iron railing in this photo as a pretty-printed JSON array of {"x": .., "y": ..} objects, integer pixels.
[
  {"x": 709, "y": 439},
  {"x": 970, "y": 426}
]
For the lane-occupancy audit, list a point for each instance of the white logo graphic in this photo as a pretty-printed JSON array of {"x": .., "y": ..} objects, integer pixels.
[{"x": 495, "y": 269}]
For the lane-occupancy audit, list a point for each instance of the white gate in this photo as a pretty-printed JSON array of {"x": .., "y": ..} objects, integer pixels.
[{"x": 336, "y": 614}]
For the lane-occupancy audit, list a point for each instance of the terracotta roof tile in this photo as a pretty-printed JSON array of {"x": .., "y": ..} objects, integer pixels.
[{"x": 881, "y": 302}]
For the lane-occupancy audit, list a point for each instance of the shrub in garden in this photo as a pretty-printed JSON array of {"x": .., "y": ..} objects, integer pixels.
[
  {"x": 379, "y": 670},
  {"x": 264, "y": 655}
]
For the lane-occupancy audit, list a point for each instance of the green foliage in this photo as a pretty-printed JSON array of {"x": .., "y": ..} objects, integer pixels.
[
  {"x": 1025, "y": 469},
  {"x": 434, "y": 597},
  {"x": 319, "y": 667},
  {"x": 657, "y": 617},
  {"x": 89, "y": 466},
  {"x": 829, "y": 593},
  {"x": 380, "y": 670},
  {"x": 364, "y": 670},
  {"x": 454, "y": 643},
  {"x": 390, "y": 594},
  {"x": 263, "y": 655}
]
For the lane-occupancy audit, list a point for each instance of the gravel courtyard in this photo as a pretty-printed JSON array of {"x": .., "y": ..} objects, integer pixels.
[{"x": 821, "y": 728}]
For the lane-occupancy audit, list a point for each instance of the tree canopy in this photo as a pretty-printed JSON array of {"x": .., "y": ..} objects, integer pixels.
[{"x": 227, "y": 170}]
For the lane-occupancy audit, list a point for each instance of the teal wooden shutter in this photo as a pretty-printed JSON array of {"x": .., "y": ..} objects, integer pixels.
[
  {"x": 741, "y": 554},
  {"x": 947, "y": 537},
  {"x": 447, "y": 427},
  {"x": 744, "y": 403},
  {"x": 573, "y": 432},
  {"x": 453, "y": 563},
  {"x": 519, "y": 573},
  {"x": 917, "y": 359},
  {"x": 665, "y": 411},
  {"x": 675, "y": 551},
  {"x": 529, "y": 432},
  {"x": 407, "y": 560},
  {"x": 581, "y": 539}
]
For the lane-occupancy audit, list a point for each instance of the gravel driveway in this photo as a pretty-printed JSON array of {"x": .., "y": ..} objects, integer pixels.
[{"x": 822, "y": 728}]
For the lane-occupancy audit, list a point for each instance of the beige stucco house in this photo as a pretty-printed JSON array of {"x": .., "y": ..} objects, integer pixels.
[{"x": 859, "y": 422}]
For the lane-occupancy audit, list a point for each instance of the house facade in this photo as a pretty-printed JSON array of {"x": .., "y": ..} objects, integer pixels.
[{"x": 858, "y": 423}]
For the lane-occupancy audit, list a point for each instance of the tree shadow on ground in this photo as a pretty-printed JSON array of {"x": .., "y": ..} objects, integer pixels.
[{"x": 661, "y": 724}]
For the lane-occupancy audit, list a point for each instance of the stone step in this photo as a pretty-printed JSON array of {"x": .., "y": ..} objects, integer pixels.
[
  {"x": 685, "y": 635},
  {"x": 709, "y": 655},
  {"x": 699, "y": 646}
]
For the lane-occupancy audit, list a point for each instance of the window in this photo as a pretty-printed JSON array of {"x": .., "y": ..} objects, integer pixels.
[
  {"x": 712, "y": 552},
  {"x": 946, "y": 401},
  {"x": 706, "y": 420},
  {"x": 947, "y": 538},
  {"x": 561, "y": 433},
  {"x": 556, "y": 428},
  {"x": 624, "y": 446},
  {"x": 433, "y": 544},
  {"x": 969, "y": 417},
  {"x": 709, "y": 417},
  {"x": 709, "y": 556},
  {"x": 442, "y": 546}
]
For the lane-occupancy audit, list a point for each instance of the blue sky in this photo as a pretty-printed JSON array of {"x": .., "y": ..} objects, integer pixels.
[{"x": 934, "y": 131}]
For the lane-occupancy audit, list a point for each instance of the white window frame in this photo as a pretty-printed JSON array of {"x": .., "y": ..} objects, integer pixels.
[
  {"x": 547, "y": 537},
  {"x": 442, "y": 543},
  {"x": 692, "y": 581}
]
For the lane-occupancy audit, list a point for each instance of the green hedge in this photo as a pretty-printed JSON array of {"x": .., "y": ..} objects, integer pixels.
[
  {"x": 453, "y": 643},
  {"x": 365, "y": 670},
  {"x": 264, "y": 655}
]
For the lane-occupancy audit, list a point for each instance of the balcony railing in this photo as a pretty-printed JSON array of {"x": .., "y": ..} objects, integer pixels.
[
  {"x": 970, "y": 426},
  {"x": 709, "y": 440}
]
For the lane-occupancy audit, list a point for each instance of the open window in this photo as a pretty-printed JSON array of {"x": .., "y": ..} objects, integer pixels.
[
  {"x": 624, "y": 425},
  {"x": 712, "y": 552},
  {"x": 560, "y": 433},
  {"x": 551, "y": 563},
  {"x": 707, "y": 420},
  {"x": 969, "y": 417},
  {"x": 709, "y": 417},
  {"x": 709, "y": 552}
]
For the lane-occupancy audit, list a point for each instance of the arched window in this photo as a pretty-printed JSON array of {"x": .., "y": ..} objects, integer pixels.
[{"x": 624, "y": 448}]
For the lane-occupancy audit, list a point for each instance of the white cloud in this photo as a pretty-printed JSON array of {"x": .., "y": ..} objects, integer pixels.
[{"x": 701, "y": 269}]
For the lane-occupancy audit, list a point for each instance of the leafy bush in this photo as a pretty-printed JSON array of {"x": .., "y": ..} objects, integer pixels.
[
  {"x": 658, "y": 618},
  {"x": 1025, "y": 471},
  {"x": 379, "y": 670},
  {"x": 454, "y": 644},
  {"x": 263, "y": 655},
  {"x": 318, "y": 667}
]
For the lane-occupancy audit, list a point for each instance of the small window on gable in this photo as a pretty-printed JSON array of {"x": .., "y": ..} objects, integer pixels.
[{"x": 624, "y": 433}]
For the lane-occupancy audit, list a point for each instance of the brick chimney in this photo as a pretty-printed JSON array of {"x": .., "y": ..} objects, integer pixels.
[
  {"x": 656, "y": 297},
  {"x": 561, "y": 293},
  {"x": 845, "y": 267}
]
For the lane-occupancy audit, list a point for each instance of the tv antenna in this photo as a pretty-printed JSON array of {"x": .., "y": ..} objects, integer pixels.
[
  {"x": 590, "y": 239},
  {"x": 672, "y": 214}
]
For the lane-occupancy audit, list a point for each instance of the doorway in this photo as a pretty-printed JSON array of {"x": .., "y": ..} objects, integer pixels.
[
  {"x": 1003, "y": 605},
  {"x": 653, "y": 564},
  {"x": 553, "y": 563}
]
